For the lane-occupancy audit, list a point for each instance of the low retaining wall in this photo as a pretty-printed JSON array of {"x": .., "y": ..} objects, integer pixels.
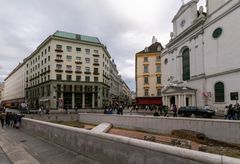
[
  {"x": 101, "y": 148},
  {"x": 223, "y": 130}
]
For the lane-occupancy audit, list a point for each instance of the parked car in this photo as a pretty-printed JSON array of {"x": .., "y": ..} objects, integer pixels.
[{"x": 197, "y": 111}]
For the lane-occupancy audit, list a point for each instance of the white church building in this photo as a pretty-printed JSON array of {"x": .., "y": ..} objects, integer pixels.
[{"x": 201, "y": 62}]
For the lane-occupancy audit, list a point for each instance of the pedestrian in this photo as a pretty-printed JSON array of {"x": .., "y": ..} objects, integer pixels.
[
  {"x": 76, "y": 108},
  {"x": 121, "y": 110},
  {"x": 40, "y": 111},
  {"x": 2, "y": 119},
  {"x": 165, "y": 110},
  {"x": 226, "y": 112}
]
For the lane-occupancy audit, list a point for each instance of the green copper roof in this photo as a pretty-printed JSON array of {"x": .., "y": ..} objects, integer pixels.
[{"x": 76, "y": 37}]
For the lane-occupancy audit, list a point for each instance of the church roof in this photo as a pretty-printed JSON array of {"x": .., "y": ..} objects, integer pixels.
[
  {"x": 178, "y": 89},
  {"x": 152, "y": 48}
]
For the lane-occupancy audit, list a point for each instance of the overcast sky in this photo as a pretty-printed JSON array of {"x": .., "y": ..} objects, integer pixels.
[{"x": 124, "y": 26}]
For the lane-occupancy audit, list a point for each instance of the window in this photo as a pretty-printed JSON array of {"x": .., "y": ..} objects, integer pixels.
[
  {"x": 219, "y": 92},
  {"x": 87, "y": 51},
  {"x": 45, "y": 51},
  {"x": 48, "y": 90},
  {"x": 78, "y": 59},
  {"x": 87, "y": 79},
  {"x": 48, "y": 48},
  {"x": 69, "y": 68},
  {"x": 145, "y": 59},
  {"x": 59, "y": 67},
  {"x": 158, "y": 68},
  {"x": 158, "y": 80},
  {"x": 69, "y": 49},
  {"x": 95, "y": 79},
  {"x": 78, "y": 49},
  {"x": 145, "y": 80},
  {"x": 146, "y": 92},
  {"x": 58, "y": 77},
  {"x": 78, "y": 68},
  {"x": 78, "y": 78},
  {"x": 87, "y": 69},
  {"x": 158, "y": 58},
  {"x": 87, "y": 60},
  {"x": 96, "y": 61},
  {"x": 95, "y": 51},
  {"x": 95, "y": 70},
  {"x": 69, "y": 77},
  {"x": 48, "y": 58},
  {"x": 159, "y": 92},
  {"x": 59, "y": 46},
  {"x": 69, "y": 58},
  {"x": 145, "y": 68},
  {"x": 185, "y": 65}
]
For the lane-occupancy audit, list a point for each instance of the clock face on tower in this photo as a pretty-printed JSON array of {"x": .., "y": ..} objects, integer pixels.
[{"x": 183, "y": 23}]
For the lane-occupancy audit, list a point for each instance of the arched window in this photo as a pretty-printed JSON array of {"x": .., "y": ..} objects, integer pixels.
[
  {"x": 185, "y": 65},
  {"x": 219, "y": 92}
]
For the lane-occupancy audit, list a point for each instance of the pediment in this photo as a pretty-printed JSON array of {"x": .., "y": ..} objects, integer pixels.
[
  {"x": 177, "y": 89},
  {"x": 183, "y": 8}
]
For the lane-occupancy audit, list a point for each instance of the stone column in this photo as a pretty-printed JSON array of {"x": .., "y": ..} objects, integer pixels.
[
  {"x": 179, "y": 101},
  {"x": 83, "y": 100},
  {"x": 73, "y": 100},
  {"x": 184, "y": 100},
  {"x": 93, "y": 100}
]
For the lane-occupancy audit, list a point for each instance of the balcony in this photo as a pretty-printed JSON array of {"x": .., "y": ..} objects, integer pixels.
[
  {"x": 95, "y": 64},
  {"x": 68, "y": 71},
  {"x": 78, "y": 72},
  {"x": 78, "y": 62},
  {"x": 58, "y": 60},
  {"x": 58, "y": 50},
  {"x": 95, "y": 55},
  {"x": 58, "y": 70},
  {"x": 88, "y": 73},
  {"x": 95, "y": 73}
]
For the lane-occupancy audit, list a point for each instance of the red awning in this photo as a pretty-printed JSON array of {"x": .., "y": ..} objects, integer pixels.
[{"x": 149, "y": 101}]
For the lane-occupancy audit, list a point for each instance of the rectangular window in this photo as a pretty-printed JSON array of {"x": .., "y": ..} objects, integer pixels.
[
  {"x": 59, "y": 67},
  {"x": 145, "y": 59},
  {"x": 78, "y": 49},
  {"x": 78, "y": 59},
  {"x": 87, "y": 78},
  {"x": 158, "y": 80},
  {"x": 95, "y": 79},
  {"x": 78, "y": 68},
  {"x": 69, "y": 49},
  {"x": 158, "y": 68},
  {"x": 87, "y": 51},
  {"x": 48, "y": 48},
  {"x": 95, "y": 70},
  {"x": 95, "y": 51},
  {"x": 58, "y": 77},
  {"x": 146, "y": 92},
  {"x": 78, "y": 78},
  {"x": 69, "y": 58},
  {"x": 48, "y": 58},
  {"x": 87, "y": 69},
  {"x": 145, "y": 80},
  {"x": 159, "y": 92},
  {"x": 87, "y": 60},
  {"x": 69, "y": 68},
  {"x": 96, "y": 61},
  {"x": 145, "y": 68},
  {"x": 69, "y": 77},
  {"x": 59, "y": 47}
]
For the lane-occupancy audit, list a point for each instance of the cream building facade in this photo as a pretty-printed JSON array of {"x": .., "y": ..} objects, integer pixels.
[
  {"x": 201, "y": 61},
  {"x": 148, "y": 74},
  {"x": 14, "y": 87},
  {"x": 68, "y": 70}
]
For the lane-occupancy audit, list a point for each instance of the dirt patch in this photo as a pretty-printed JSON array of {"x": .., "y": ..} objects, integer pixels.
[{"x": 185, "y": 139}]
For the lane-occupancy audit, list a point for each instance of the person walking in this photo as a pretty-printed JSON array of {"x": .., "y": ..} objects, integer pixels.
[
  {"x": 2, "y": 119},
  {"x": 174, "y": 110},
  {"x": 226, "y": 112}
]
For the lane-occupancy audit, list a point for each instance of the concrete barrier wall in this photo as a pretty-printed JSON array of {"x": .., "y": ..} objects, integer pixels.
[
  {"x": 223, "y": 130},
  {"x": 101, "y": 148}
]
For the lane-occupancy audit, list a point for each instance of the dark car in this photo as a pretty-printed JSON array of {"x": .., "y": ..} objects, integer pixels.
[{"x": 197, "y": 111}]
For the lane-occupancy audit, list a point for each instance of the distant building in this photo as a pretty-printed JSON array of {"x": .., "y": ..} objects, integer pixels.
[
  {"x": 14, "y": 85},
  {"x": 1, "y": 92},
  {"x": 148, "y": 75},
  {"x": 201, "y": 62}
]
